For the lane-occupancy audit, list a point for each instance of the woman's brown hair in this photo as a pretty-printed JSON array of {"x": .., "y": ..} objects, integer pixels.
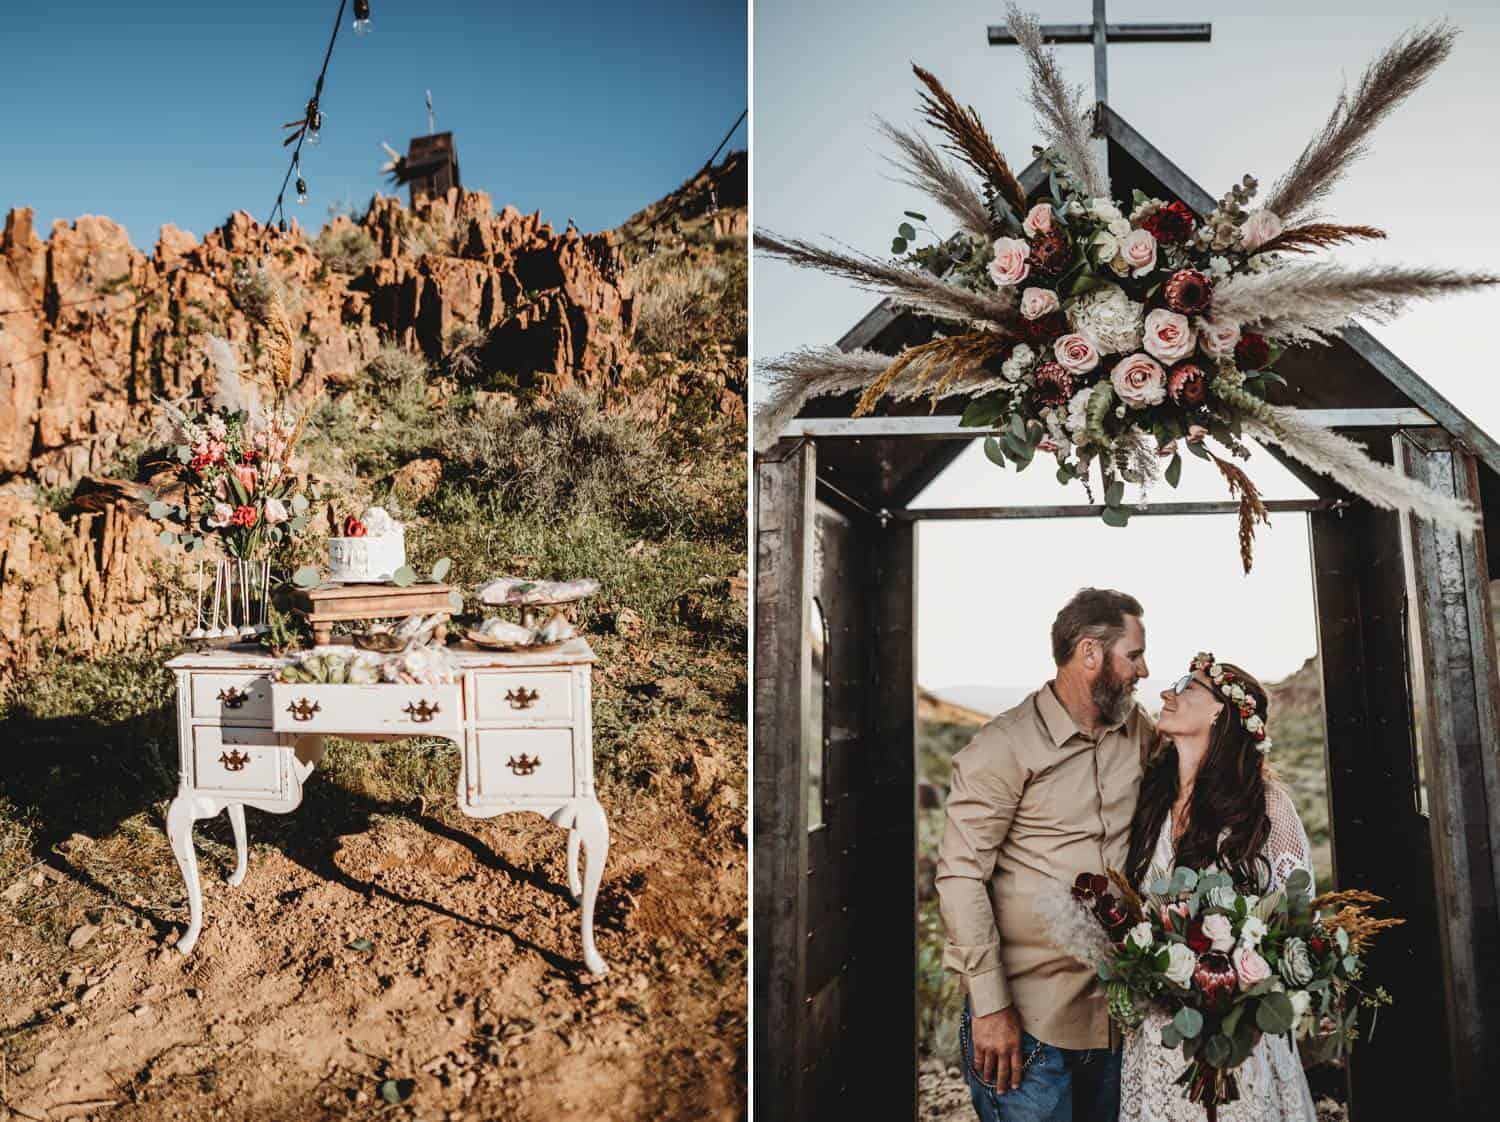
[{"x": 1229, "y": 793}]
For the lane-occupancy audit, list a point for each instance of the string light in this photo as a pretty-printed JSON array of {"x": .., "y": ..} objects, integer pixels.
[
  {"x": 301, "y": 183},
  {"x": 361, "y": 17}
]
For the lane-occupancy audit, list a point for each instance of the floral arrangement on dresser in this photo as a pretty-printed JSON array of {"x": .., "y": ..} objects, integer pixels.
[
  {"x": 1112, "y": 333},
  {"x": 1226, "y": 967}
]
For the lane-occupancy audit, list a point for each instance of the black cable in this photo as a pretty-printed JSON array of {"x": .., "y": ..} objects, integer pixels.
[
  {"x": 314, "y": 106},
  {"x": 681, "y": 198}
]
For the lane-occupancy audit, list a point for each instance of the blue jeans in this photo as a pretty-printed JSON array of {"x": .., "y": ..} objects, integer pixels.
[{"x": 1059, "y": 1084}]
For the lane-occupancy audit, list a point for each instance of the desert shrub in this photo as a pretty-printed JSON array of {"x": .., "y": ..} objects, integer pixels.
[
  {"x": 684, "y": 300},
  {"x": 461, "y": 352},
  {"x": 568, "y": 457},
  {"x": 395, "y": 366},
  {"x": 393, "y": 414},
  {"x": 345, "y": 248}
]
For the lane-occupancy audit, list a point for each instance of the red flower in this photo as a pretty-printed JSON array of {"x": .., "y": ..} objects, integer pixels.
[
  {"x": 1197, "y": 941},
  {"x": 1188, "y": 292},
  {"x": 1317, "y": 944},
  {"x": 1216, "y": 980},
  {"x": 243, "y": 516},
  {"x": 249, "y": 456},
  {"x": 1252, "y": 351},
  {"x": 1172, "y": 223},
  {"x": 1045, "y": 328},
  {"x": 1186, "y": 384},
  {"x": 198, "y": 463},
  {"x": 354, "y": 528},
  {"x": 1112, "y": 914},
  {"x": 1087, "y": 886},
  {"x": 1054, "y": 385}
]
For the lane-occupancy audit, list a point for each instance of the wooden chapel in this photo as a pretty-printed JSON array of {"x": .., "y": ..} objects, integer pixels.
[{"x": 1410, "y": 697}]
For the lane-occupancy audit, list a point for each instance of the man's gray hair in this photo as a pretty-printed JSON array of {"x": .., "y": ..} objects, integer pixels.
[{"x": 1092, "y": 613}]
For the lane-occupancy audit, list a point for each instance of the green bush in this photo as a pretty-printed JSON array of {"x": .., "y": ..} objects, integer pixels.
[
  {"x": 345, "y": 249},
  {"x": 685, "y": 300}
]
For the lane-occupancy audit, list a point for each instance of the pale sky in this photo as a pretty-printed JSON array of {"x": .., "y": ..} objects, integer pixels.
[{"x": 1247, "y": 101}]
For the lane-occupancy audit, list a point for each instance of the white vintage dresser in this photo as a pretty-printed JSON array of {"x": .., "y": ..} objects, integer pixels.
[{"x": 522, "y": 723}]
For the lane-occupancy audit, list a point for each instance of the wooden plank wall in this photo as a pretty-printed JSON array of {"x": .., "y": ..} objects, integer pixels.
[
  {"x": 1449, "y": 591},
  {"x": 1379, "y": 837},
  {"x": 784, "y": 482}
]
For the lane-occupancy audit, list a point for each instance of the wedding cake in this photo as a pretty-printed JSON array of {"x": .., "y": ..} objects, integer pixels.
[{"x": 372, "y": 549}]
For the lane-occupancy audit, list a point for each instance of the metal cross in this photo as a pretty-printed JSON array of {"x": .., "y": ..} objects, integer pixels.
[{"x": 1101, "y": 32}]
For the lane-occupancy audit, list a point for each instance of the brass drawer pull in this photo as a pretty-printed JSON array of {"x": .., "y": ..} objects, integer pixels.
[
  {"x": 525, "y": 765},
  {"x": 234, "y": 698},
  {"x": 303, "y": 710},
  {"x": 234, "y": 760},
  {"x": 421, "y": 711},
  {"x": 521, "y": 698}
]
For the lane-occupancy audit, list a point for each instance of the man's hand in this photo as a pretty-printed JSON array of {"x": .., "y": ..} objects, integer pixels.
[{"x": 997, "y": 1048}]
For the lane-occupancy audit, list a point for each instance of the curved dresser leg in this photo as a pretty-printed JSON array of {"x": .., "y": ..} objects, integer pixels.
[
  {"x": 575, "y": 886},
  {"x": 241, "y": 848},
  {"x": 180, "y": 833},
  {"x": 594, "y": 832}
]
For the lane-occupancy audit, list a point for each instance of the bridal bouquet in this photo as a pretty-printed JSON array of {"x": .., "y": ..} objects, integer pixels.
[
  {"x": 1109, "y": 331},
  {"x": 1226, "y": 967}
]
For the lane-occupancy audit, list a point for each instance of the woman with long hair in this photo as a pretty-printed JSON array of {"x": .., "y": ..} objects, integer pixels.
[{"x": 1209, "y": 799}]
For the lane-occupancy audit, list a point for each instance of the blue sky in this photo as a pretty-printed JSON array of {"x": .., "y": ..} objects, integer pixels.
[{"x": 169, "y": 111}]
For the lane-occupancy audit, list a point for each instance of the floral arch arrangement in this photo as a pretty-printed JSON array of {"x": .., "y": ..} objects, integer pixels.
[{"x": 1112, "y": 333}]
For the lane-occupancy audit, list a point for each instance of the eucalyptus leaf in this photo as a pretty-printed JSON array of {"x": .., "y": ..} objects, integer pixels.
[
  {"x": 455, "y": 600},
  {"x": 1065, "y": 474},
  {"x": 907, "y": 231},
  {"x": 1188, "y": 1021},
  {"x": 1114, "y": 494},
  {"x": 1170, "y": 1037},
  {"x": 914, "y": 214},
  {"x": 1232, "y": 1018},
  {"x": 983, "y": 412},
  {"x": 158, "y": 509},
  {"x": 1274, "y": 1013},
  {"x": 440, "y": 570},
  {"x": 404, "y": 577},
  {"x": 898, "y": 245},
  {"x": 1018, "y": 426},
  {"x": 1115, "y": 516},
  {"x": 167, "y": 537},
  {"x": 1173, "y": 473},
  {"x": 305, "y": 577},
  {"x": 396, "y": 1091},
  {"x": 299, "y": 504},
  {"x": 1197, "y": 449},
  {"x": 1216, "y": 1050},
  {"x": 993, "y": 452}
]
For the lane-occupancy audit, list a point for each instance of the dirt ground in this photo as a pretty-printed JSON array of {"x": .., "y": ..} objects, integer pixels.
[{"x": 379, "y": 952}]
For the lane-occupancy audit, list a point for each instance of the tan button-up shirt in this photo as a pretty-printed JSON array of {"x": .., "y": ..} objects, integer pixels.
[{"x": 1033, "y": 803}]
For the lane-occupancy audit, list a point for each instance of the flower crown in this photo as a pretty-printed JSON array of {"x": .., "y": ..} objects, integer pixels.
[{"x": 1224, "y": 681}]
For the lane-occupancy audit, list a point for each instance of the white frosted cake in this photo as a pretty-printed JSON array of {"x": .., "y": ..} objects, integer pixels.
[{"x": 374, "y": 556}]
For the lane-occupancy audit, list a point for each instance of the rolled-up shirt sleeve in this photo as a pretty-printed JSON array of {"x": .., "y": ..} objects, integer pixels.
[{"x": 986, "y": 786}]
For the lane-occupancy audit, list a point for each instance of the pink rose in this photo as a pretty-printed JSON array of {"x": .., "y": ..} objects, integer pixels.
[
  {"x": 247, "y": 475},
  {"x": 1168, "y": 335},
  {"x": 1009, "y": 267},
  {"x": 1076, "y": 353},
  {"x": 1037, "y": 302},
  {"x": 1259, "y": 228},
  {"x": 1038, "y": 219},
  {"x": 1251, "y": 968},
  {"x": 1220, "y": 930},
  {"x": 223, "y": 512},
  {"x": 276, "y": 511},
  {"x": 1139, "y": 252},
  {"x": 1139, "y": 381},
  {"x": 1217, "y": 337}
]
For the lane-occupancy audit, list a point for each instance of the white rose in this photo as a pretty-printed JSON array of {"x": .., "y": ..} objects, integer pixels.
[
  {"x": 223, "y": 512},
  {"x": 1119, "y": 227},
  {"x": 1252, "y": 931},
  {"x": 1104, "y": 209},
  {"x": 1219, "y": 929},
  {"x": 1038, "y": 219},
  {"x": 1181, "y": 962},
  {"x": 1168, "y": 336},
  {"x": 1076, "y": 353},
  {"x": 275, "y": 511},
  {"x": 1217, "y": 337},
  {"x": 1139, "y": 381},
  {"x": 1037, "y": 302},
  {"x": 1078, "y": 406},
  {"x": 1140, "y": 935},
  {"x": 1106, "y": 246},
  {"x": 1014, "y": 368},
  {"x": 1009, "y": 267},
  {"x": 1138, "y": 252},
  {"x": 1259, "y": 228}
]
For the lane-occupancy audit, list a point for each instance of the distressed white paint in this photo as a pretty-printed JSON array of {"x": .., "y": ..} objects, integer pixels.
[{"x": 249, "y": 748}]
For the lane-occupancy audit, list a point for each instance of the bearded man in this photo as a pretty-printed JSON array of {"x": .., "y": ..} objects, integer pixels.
[{"x": 1043, "y": 792}]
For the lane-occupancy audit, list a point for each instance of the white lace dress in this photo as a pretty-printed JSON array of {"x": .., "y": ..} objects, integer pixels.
[{"x": 1272, "y": 1085}]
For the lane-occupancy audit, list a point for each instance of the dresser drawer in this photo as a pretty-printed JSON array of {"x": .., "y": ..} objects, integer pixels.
[
  {"x": 521, "y": 762},
  {"x": 520, "y": 696},
  {"x": 237, "y": 697},
  {"x": 242, "y": 761},
  {"x": 389, "y": 707}
]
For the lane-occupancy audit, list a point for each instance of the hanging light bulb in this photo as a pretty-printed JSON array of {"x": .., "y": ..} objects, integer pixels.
[
  {"x": 361, "y": 17},
  {"x": 314, "y": 130},
  {"x": 281, "y": 225},
  {"x": 301, "y": 185}
]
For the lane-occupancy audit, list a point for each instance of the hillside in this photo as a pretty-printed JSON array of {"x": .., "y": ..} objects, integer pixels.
[{"x": 526, "y": 402}]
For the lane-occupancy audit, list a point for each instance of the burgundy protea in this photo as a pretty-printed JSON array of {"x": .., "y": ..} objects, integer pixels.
[
  {"x": 1087, "y": 886},
  {"x": 1054, "y": 385},
  {"x": 1252, "y": 351},
  {"x": 1216, "y": 980},
  {"x": 1172, "y": 223},
  {"x": 1045, "y": 328},
  {"x": 1051, "y": 252},
  {"x": 1188, "y": 292},
  {"x": 1112, "y": 914},
  {"x": 1187, "y": 384}
]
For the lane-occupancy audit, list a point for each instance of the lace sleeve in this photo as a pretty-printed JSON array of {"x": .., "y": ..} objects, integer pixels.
[{"x": 1287, "y": 847}]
